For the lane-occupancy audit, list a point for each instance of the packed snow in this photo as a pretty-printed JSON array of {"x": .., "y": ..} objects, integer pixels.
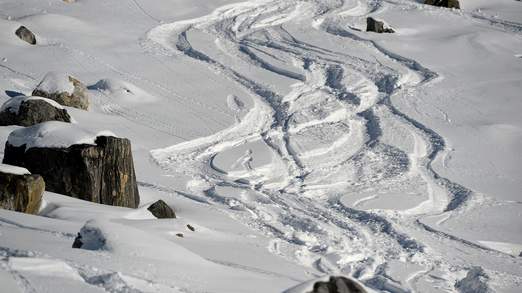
[{"x": 295, "y": 143}]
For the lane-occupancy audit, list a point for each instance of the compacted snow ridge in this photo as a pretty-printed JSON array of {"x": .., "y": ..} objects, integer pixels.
[{"x": 296, "y": 145}]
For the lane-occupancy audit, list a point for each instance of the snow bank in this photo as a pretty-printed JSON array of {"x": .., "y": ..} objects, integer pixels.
[
  {"x": 13, "y": 170},
  {"x": 53, "y": 134},
  {"x": 13, "y": 104},
  {"x": 56, "y": 82}
]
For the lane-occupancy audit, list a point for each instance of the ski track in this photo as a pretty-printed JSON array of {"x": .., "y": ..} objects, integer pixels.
[{"x": 316, "y": 228}]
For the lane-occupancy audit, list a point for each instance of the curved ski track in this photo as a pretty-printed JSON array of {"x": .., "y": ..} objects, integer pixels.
[{"x": 339, "y": 98}]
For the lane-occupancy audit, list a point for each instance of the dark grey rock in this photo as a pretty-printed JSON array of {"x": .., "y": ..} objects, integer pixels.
[
  {"x": 191, "y": 228},
  {"x": 90, "y": 237},
  {"x": 338, "y": 285},
  {"x": 102, "y": 173},
  {"x": 161, "y": 210},
  {"x": 476, "y": 281},
  {"x": 21, "y": 193},
  {"x": 26, "y": 35},
  {"x": 77, "y": 99},
  {"x": 31, "y": 112},
  {"x": 444, "y": 3},
  {"x": 373, "y": 25}
]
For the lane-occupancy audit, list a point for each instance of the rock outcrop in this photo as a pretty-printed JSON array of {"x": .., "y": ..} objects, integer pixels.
[
  {"x": 26, "y": 35},
  {"x": 444, "y": 3},
  {"x": 373, "y": 25},
  {"x": 28, "y": 111},
  {"x": 19, "y": 190},
  {"x": 161, "y": 210},
  {"x": 64, "y": 89},
  {"x": 102, "y": 172},
  {"x": 338, "y": 285}
]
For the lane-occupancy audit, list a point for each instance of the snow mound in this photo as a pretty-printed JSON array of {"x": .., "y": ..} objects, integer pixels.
[
  {"x": 123, "y": 91},
  {"x": 13, "y": 170},
  {"x": 13, "y": 104},
  {"x": 56, "y": 82},
  {"x": 53, "y": 134}
]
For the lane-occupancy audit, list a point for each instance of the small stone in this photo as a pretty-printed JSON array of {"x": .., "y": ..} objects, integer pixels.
[
  {"x": 377, "y": 26},
  {"x": 191, "y": 228},
  {"x": 338, "y": 285},
  {"x": 444, "y": 3},
  {"x": 179, "y": 235},
  {"x": 161, "y": 210},
  {"x": 26, "y": 35}
]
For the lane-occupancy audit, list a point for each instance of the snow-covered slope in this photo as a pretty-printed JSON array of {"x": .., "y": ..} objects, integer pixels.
[{"x": 295, "y": 143}]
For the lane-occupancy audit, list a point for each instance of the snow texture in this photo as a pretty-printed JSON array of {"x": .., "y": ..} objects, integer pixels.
[{"x": 297, "y": 144}]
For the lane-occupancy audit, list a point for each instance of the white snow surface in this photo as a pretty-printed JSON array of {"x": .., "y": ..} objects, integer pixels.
[
  {"x": 4, "y": 168},
  {"x": 53, "y": 134},
  {"x": 296, "y": 144}
]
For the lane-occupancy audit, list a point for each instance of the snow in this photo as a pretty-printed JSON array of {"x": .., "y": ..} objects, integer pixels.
[
  {"x": 4, "y": 168},
  {"x": 13, "y": 104},
  {"x": 56, "y": 82},
  {"x": 53, "y": 134},
  {"x": 297, "y": 144}
]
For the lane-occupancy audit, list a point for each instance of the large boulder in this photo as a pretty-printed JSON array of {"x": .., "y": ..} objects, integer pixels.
[
  {"x": 28, "y": 111},
  {"x": 19, "y": 190},
  {"x": 161, "y": 210},
  {"x": 64, "y": 89},
  {"x": 444, "y": 3},
  {"x": 26, "y": 35},
  {"x": 373, "y": 25},
  {"x": 97, "y": 168},
  {"x": 337, "y": 285}
]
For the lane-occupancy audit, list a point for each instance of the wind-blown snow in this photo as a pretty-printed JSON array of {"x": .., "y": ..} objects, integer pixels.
[{"x": 296, "y": 143}]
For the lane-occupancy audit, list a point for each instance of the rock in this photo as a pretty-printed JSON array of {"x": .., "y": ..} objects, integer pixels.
[
  {"x": 102, "y": 172},
  {"x": 373, "y": 25},
  {"x": 26, "y": 35},
  {"x": 180, "y": 235},
  {"x": 161, "y": 210},
  {"x": 444, "y": 3},
  {"x": 338, "y": 285},
  {"x": 19, "y": 190},
  {"x": 191, "y": 228},
  {"x": 90, "y": 237},
  {"x": 64, "y": 89},
  {"x": 28, "y": 111}
]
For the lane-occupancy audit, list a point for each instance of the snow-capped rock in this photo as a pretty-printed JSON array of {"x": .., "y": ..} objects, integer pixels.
[
  {"x": 64, "y": 89},
  {"x": 27, "y": 111}
]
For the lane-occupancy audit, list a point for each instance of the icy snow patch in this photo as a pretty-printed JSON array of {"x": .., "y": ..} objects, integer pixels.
[
  {"x": 13, "y": 104},
  {"x": 56, "y": 82},
  {"x": 13, "y": 170},
  {"x": 53, "y": 134}
]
